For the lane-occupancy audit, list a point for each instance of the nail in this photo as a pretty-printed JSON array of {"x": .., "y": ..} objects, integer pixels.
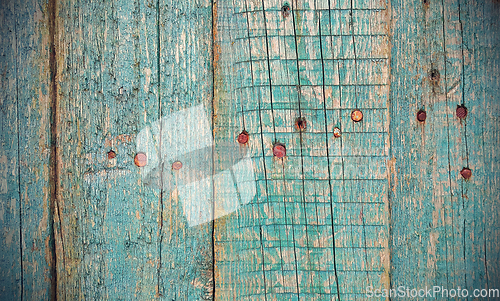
[
  {"x": 279, "y": 150},
  {"x": 421, "y": 115},
  {"x": 434, "y": 75},
  {"x": 140, "y": 159},
  {"x": 466, "y": 173},
  {"x": 243, "y": 137},
  {"x": 111, "y": 154},
  {"x": 301, "y": 123},
  {"x": 356, "y": 115},
  {"x": 177, "y": 165},
  {"x": 336, "y": 132},
  {"x": 461, "y": 112},
  {"x": 285, "y": 10}
]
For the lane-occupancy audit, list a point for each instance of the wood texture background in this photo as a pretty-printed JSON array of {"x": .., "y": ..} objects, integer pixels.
[{"x": 383, "y": 206}]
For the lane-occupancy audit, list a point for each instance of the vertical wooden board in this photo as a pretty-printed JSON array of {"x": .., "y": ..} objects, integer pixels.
[
  {"x": 239, "y": 252},
  {"x": 466, "y": 147},
  {"x": 284, "y": 68},
  {"x": 439, "y": 220},
  {"x": 359, "y": 156},
  {"x": 453, "y": 86},
  {"x": 69, "y": 61},
  {"x": 107, "y": 79},
  {"x": 10, "y": 222},
  {"x": 185, "y": 135},
  {"x": 491, "y": 140},
  {"x": 413, "y": 243},
  {"x": 475, "y": 192},
  {"x": 34, "y": 97},
  {"x": 481, "y": 36}
]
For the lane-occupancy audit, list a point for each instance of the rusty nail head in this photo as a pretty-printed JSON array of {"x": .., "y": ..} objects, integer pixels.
[
  {"x": 356, "y": 115},
  {"x": 279, "y": 150},
  {"x": 421, "y": 115},
  {"x": 177, "y": 165},
  {"x": 461, "y": 112},
  {"x": 140, "y": 159},
  {"x": 434, "y": 75},
  {"x": 285, "y": 10},
  {"x": 466, "y": 173},
  {"x": 301, "y": 123},
  {"x": 243, "y": 137},
  {"x": 336, "y": 132},
  {"x": 111, "y": 154}
]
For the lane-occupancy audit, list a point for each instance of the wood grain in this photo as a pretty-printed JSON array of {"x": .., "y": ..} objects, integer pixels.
[
  {"x": 318, "y": 228},
  {"x": 10, "y": 195},
  {"x": 439, "y": 220},
  {"x": 28, "y": 272},
  {"x": 383, "y": 205},
  {"x": 108, "y": 91}
]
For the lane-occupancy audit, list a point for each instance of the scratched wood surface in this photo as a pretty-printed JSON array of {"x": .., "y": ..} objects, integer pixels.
[
  {"x": 445, "y": 229},
  {"x": 27, "y": 244},
  {"x": 318, "y": 228},
  {"x": 86, "y": 85}
]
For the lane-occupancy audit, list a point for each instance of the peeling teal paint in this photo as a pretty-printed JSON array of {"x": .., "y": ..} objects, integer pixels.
[{"x": 383, "y": 205}]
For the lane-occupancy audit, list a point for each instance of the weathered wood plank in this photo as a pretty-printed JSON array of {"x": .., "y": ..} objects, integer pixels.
[
  {"x": 87, "y": 85},
  {"x": 10, "y": 205},
  {"x": 108, "y": 93},
  {"x": 187, "y": 201},
  {"x": 441, "y": 222},
  {"x": 482, "y": 61},
  {"x": 308, "y": 234},
  {"x": 420, "y": 209},
  {"x": 30, "y": 263},
  {"x": 35, "y": 98}
]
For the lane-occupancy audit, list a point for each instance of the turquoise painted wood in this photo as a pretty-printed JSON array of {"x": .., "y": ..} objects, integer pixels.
[
  {"x": 88, "y": 85},
  {"x": 444, "y": 228},
  {"x": 113, "y": 242},
  {"x": 27, "y": 239}
]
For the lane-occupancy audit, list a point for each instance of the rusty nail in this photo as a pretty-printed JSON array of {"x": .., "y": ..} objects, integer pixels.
[
  {"x": 466, "y": 173},
  {"x": 301, "y": 123},
  {"x": 111, "y": 154},
  {"x": 461, "y": 112},
  {"x": 434, "y": 75},
  {"x": 243, "y": 137},
  {"x": 140, "y": 159},
  {"x": 421, "y": 115},
  {"x": 336, "y": 132},
  {"x": 285, "y": 10},
  {"x": 279, "y": 150},
  {"x": 177, "y": 165},
  {"x": 356, "y": 115}
]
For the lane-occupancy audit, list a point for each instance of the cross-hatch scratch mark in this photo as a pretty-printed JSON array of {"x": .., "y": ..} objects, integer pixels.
[{"x": 261, "y": 136}]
